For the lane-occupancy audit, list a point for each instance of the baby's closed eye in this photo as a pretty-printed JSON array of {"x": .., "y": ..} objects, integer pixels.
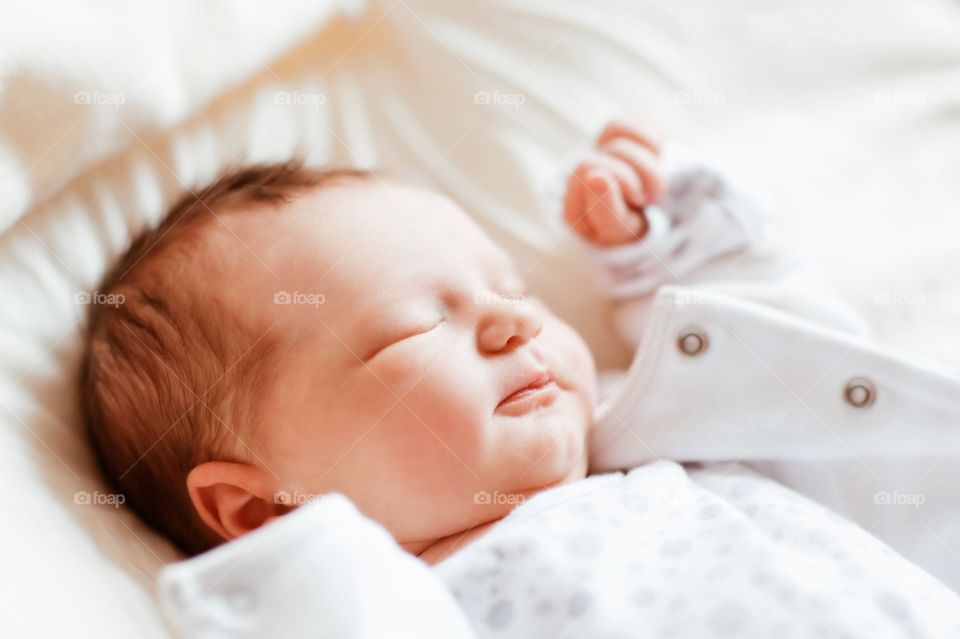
[{"x": 403, "y": 335}]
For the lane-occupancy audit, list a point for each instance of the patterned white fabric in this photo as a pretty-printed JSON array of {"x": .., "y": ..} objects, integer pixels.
[
  {"x": 718, "y": 551},
  {"x": 662, "y": 551}
]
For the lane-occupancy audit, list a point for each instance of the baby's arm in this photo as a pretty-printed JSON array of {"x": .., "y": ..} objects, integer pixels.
[{"x": 649, "y": 217}]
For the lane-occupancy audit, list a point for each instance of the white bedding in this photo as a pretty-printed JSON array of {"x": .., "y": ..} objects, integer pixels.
[
  {"x": 710, "y": 552},
  {"x": 843, "y": 112},
  {"x": 664, "y": 551}
]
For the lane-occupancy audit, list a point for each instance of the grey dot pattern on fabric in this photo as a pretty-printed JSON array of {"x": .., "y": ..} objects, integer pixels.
[{"x": 713, "y": 555}]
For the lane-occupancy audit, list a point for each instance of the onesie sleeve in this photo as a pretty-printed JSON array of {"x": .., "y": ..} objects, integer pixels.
[
  {"x": 710, "y": 233},
  {"x": 323, "y": 570},
  {"x": 701, "y": 218}
]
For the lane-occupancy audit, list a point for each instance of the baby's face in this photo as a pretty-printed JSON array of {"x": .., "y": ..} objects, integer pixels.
[{"x": 407, "y": 332}]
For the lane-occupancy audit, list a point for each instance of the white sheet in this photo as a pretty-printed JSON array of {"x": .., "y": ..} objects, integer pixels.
[{"x": 842, "y": 111}]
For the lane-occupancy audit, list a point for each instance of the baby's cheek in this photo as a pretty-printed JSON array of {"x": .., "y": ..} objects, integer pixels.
[
  {"x": 400, "y": 372},
  {"x": 451, "y": 402},
  {"x": 576, "y": 363},
  {"x": 436, "y": 446}
]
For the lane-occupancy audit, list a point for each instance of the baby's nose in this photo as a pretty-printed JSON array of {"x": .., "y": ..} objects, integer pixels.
[{"x": 506, "y": 324}]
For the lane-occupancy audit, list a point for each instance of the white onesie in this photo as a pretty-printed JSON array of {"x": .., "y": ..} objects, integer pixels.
[{"x": 717, "y": 551}]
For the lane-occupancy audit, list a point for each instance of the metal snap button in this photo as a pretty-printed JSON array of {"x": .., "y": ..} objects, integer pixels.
[
  {"x": 860, "y": 392},
  {"x": 692, "y": 341}
]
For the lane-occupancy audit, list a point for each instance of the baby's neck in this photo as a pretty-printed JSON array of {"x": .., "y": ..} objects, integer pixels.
[
  {"x": 442, "y": 548},
  {"x": 433, "y": 552}
]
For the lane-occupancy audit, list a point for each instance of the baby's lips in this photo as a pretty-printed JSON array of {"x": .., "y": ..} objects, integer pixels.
[
  {"x": 539, "y": 393},
  {"x": 537, "y": 371},
  {"x": 548, "y": 360},
  {"x": 531, "y": 380}
]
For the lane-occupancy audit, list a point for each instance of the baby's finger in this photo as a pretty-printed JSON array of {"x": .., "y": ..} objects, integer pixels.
[
  {"x": 631, "y": 184},
  {"x": 574, "y": 204},
  {"x": 624, "y": 128},
  {"x": 643, "y": 163},
  {"x": 607, "y": 211},
  {"x": 600, "y": 199}
]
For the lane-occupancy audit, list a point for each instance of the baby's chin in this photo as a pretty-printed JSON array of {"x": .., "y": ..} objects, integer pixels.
[
  {"x": 575, "y": 459},
  {"x": 559, "y": 449}
]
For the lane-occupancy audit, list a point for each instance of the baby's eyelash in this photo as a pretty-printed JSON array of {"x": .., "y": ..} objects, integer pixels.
[{"x": 405, "y": 337}]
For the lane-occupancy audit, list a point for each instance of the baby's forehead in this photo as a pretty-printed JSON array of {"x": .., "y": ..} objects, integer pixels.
[
  {"x": 406, "y": 225},
  {"x": 355, "y": 243}
]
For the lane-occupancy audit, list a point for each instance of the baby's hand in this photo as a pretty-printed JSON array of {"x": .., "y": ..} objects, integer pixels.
[{"x": 607, "y": 191}]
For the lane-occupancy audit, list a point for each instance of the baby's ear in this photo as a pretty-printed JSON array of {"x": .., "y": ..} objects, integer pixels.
[{"x": 233, "y": 498}]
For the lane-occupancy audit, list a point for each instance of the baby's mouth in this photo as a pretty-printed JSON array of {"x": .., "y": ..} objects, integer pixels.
[{"x": 538, "y": 391}]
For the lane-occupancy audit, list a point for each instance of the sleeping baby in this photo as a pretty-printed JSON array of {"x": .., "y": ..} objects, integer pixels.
[{"x": 291, "y": 337}]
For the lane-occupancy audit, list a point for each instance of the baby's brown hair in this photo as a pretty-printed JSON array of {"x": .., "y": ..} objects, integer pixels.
[{"x": 170, "y": 376}]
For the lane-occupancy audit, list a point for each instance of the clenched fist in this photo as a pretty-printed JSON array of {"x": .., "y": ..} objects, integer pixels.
[{"x": 610, "y": 187}]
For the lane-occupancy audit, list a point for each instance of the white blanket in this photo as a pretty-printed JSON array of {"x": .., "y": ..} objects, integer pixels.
[
  {"x": 322, "y": 571},
  {"x": 710, "y": 553},
  {"x": 661, "y": 552}
]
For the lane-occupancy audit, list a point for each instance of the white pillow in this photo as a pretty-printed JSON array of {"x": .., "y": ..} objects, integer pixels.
[{"x": 483, "y": 101}]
